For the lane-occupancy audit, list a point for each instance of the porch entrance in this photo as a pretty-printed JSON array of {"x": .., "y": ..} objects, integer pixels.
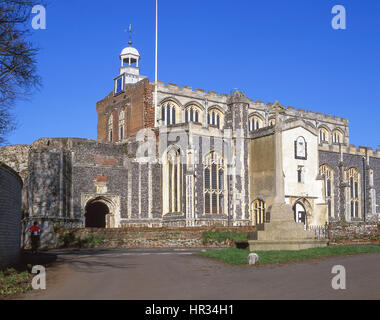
[
  {"x": 96, "y": 213},
  {"x": 299, "y": 213}
]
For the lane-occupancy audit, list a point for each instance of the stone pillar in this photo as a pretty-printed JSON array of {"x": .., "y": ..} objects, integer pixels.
[
  {"x": 372, "y": 196},
  {"x": 279, "y": 171},
  {"x": 341, "y": 188},
  {"x": 280, "y": 211},
  {"x": 72, "y": 215},
  {"x": 61, "y": 185},
  {"x": 189, "y": 186}
]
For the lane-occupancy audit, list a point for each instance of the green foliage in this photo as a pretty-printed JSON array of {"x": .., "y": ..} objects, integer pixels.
[
  {"x": 14, "y": 282},
  {"x": 56, "y": 226},
  {"x": 238, "y": 256},
  {"x": 375, "y": 236},
  {"x": 218, "y": 236},
  {"x": 70, "y": 240},
  {"x": 91, "y": 241}
]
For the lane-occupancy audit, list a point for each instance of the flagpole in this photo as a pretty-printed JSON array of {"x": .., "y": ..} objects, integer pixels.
[{"x": 156, "y": 73}]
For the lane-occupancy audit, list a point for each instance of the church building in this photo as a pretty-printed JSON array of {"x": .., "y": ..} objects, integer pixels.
[{"x": 174, "y": 156}]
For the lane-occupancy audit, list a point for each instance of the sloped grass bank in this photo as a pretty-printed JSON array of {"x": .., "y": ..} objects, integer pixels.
[
  {"x": 219, "y": 236},
  {"x": 240, "y": 257},
  {"x": 13, "y": 282},
  {"x": 17, "y": 280}
]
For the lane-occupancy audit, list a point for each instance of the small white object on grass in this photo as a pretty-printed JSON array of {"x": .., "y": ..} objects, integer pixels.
[{"x": 253, "y": 258}]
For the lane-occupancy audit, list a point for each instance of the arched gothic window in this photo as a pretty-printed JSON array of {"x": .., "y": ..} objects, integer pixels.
[
  {"x": 271, "y": 122},
  {"x": 337, "y": 136},
  {"x": 215, "y": 118},
  {"x": 172, "y": 177},
  {"x": 214, "y": 184},
  {"x": 300, "y": 148},
  {"x": 255, "y": 122},
  {"x": 169, "y": 113},
  {"x": 110, "y": 128},
  {"x": 193, "y": 114},
  {"x": 353, "y": 192},
  {"x": 258, "y": 212},
  {"x": 323, "y": 135},
  {"x": 121, "y": 125},
  {"x": 327, "y": 174}
]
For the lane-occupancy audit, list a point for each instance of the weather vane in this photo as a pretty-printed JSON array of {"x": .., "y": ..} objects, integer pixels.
[{"x": 130, "y": 34}]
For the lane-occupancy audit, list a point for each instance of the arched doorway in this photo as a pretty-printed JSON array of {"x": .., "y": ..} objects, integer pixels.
[
  {"x": 96, "y": 213},
  {"x": 300, "y": 215}
]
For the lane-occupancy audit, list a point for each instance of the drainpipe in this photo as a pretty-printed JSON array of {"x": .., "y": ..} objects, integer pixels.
[
  {"x": 228, "y": 199},
  {"x": 365, "y": 189}
]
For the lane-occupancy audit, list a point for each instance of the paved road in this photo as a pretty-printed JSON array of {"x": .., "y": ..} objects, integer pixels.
[{"x": 173, "y": 274}]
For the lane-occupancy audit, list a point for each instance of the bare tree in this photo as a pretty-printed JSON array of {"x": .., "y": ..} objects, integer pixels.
[{"x": 18, "y": 76}]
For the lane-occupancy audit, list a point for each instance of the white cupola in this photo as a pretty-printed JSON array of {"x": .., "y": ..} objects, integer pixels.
[
  {"x": 129, "y": 57},
  {"x": 129, "y": 70}
]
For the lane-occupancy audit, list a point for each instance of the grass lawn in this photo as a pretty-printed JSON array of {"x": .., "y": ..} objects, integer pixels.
[{"x": 240, "y": 257}]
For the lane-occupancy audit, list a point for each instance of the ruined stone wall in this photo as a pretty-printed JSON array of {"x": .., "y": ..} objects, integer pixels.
[
  {"x": 10, "y": 215},
  {"x": 45, "y": 182},
  {"x": 17, "y": 158}
]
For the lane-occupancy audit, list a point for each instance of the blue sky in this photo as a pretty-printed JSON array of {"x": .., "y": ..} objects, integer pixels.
[{"x": 271, "y": 50}]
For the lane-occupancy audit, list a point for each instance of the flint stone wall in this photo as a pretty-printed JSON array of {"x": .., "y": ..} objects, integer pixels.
[
  {"x": 152, "y": 237},
  {"x": 354, "y": 232}
]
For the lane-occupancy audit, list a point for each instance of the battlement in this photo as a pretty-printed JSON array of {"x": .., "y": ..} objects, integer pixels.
[
  {"x": 351, "y": 149},
  {"x": 186, "y": 90},
  {"x": 316, "y": 116},
  {"x": 222, "y": 98},
  {"x": 309, "y": 114}
]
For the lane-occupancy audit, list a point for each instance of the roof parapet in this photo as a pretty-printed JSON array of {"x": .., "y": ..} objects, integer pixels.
[
  {"x": 173, "y": 85},
  {"x": 189, "y": 90},
  {"x": 351, "y": 149},
  {"x": 362, "y": 150},
  {"x": 335, "y": 148},
  {"x": 309, "y": 113}
]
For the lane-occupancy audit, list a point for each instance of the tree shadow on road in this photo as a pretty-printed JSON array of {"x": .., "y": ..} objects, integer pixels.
[
  {"x": 28, "y": 260},
  {"x": 93, "y": 262}
]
